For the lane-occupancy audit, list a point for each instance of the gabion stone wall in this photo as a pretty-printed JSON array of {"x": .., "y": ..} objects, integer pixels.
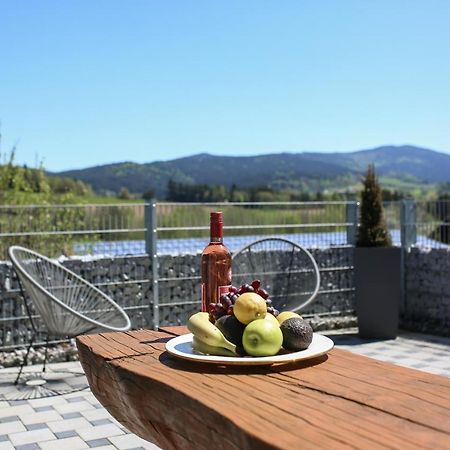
[
  {"x": 427, "y": 305},
  {"x": 127, "y": 280},
  {"x": 14, "y": 326},
  {"x": 179, "y": 288},
  {"x": 179, "y": 285},
  {"x": 336, "y": 293}
]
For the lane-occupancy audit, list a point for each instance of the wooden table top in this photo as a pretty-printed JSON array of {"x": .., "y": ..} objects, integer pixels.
[{"x": 342, "y": 400}]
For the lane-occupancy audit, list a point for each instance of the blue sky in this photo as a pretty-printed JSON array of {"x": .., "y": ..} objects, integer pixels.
[{"x": 92, "y": 82}]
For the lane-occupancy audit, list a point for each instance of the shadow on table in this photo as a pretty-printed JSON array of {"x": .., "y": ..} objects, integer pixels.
[
  {"x": 163, "y": 340},
  {"x": 352, "y": 339},
  {"x": 201, "y": 367}
]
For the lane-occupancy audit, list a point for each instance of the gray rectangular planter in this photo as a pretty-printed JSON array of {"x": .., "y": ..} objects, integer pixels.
[{"x": 378, "y": 290}]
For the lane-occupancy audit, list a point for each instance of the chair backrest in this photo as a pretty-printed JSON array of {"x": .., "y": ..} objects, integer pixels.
[
  {"x": 286, "y": 270},
  {"x": 67, "y": 304}
]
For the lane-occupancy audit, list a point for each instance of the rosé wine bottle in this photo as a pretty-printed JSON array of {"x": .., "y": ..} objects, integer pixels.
[{"x": 216, "y": 264}]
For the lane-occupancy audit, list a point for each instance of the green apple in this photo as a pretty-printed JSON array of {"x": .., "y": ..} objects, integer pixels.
[
  {"x": 271, "y": 318},
  {"x": 262, "y": 338}
]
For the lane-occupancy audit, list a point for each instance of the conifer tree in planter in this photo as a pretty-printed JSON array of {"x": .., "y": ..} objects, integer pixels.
[{"x": 377, "y": 267}]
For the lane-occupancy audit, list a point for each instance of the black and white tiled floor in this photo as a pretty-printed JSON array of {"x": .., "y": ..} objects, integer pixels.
[
  {"x": 78, "y": 421},
  {"x": 414, "y": 350},
  {"x": 71, "y": 421}
]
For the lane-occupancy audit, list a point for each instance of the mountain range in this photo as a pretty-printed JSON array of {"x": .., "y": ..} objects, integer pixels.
[{"x": 279, "y": 170}]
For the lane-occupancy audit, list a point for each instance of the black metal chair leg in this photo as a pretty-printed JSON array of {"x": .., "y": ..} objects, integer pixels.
[
  {"x": 46, "y": 354},
  {"x": 25, "y": 360}
]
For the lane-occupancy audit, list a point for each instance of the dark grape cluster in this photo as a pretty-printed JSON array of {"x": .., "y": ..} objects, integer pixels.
[
  {"x": 227, "y": 301},
  {"x": 225, "y": 304}
]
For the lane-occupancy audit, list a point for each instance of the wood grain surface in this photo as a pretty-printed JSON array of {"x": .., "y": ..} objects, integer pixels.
[{"x": 338, "y": 401}]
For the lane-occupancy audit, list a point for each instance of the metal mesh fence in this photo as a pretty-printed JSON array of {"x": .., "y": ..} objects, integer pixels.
[
  {"x": 100, "y": 231},
  {"x": 185, "y": 226},
  {"x": 184, "y": 229},
  {"x": 433, "y": 224},
  {"x": 120, "y": 229},
  {"x": 56, "y": 230},
  {"x": 392, "y": 218},
  {"x": 426, "y": 224},
  {"x": 112, "y": 241}
]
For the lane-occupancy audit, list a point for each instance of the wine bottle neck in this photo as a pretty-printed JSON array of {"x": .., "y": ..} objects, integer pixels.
[{"x": 216, "y": 232}]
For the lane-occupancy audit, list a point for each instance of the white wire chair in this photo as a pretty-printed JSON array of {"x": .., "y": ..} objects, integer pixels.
[
  {"x": 286, "y": 270},
  {"x": 67, "y": 304}
]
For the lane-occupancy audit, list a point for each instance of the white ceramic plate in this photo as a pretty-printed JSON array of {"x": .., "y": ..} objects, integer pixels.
[{"x": 181, "y": 347}]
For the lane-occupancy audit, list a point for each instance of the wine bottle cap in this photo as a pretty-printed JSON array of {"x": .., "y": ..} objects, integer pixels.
[{"x": 216, "y": 216}]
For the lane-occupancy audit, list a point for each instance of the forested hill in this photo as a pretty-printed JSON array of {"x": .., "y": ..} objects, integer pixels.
[{"x": 279, "y": 171}]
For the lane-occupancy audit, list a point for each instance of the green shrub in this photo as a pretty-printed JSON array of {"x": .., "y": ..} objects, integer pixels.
[{"x": 373, "y": 230}]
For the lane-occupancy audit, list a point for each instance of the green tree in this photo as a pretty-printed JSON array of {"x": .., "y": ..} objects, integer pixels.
[
  {"x": 148, "y": 195},
  {"x": 444, "y": 191},
  {"x": 391, "y": 196},
  {"x": 319, "y": 196},
  {"x": 373, "y": 231},
  {"x": 16, "y": 183},
  {"x": 172, "y": 191},
  {"x": 65, "y": 185},
  {"x": 124, "y": 194},
  {"x": 22, "y": 186}
]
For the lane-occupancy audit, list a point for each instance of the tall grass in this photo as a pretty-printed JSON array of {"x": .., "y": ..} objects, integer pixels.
[{"x": 279, "y": 219}]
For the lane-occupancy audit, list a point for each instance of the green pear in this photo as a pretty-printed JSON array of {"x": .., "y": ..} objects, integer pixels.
[{"x": 262, "y": 338}]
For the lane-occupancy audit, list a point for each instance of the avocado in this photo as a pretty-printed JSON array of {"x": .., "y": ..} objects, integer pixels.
[
  {"x": 231, "y": 328},
  {"x": 297, "y": 334}
]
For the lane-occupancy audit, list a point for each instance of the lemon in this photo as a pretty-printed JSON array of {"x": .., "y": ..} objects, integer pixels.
[
  {"x": 287, "y": 315},
  {"x": 248, "y": 307}
]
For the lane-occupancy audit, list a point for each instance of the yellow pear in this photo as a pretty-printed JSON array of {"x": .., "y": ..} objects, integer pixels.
[{"x": 286, "y": 315}]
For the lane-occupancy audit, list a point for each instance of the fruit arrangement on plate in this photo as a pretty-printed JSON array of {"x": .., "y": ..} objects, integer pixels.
[{"x": 244, "y": 323}]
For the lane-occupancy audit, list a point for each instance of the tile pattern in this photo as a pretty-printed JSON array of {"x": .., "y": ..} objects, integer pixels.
[
  {"x": 417, "y": 351},
  {"x": 73, "y": 421},
  {"x": 78, "y": 421}
]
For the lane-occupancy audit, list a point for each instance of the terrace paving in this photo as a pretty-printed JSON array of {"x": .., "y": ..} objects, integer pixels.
[{"x": 78, "y": 421}]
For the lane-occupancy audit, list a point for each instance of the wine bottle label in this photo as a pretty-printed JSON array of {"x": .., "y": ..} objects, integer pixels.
[
  {"x": 220, "y": 290},
  {"x": 223, "y": 290}
]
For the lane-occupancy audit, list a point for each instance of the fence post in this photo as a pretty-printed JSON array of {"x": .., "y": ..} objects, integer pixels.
[
  {"x": 151, "y": 249},
  {"x": 408, "y": 225},
  {"x": 408, "y": 237},
  {"x": 351, "y": 217}
]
